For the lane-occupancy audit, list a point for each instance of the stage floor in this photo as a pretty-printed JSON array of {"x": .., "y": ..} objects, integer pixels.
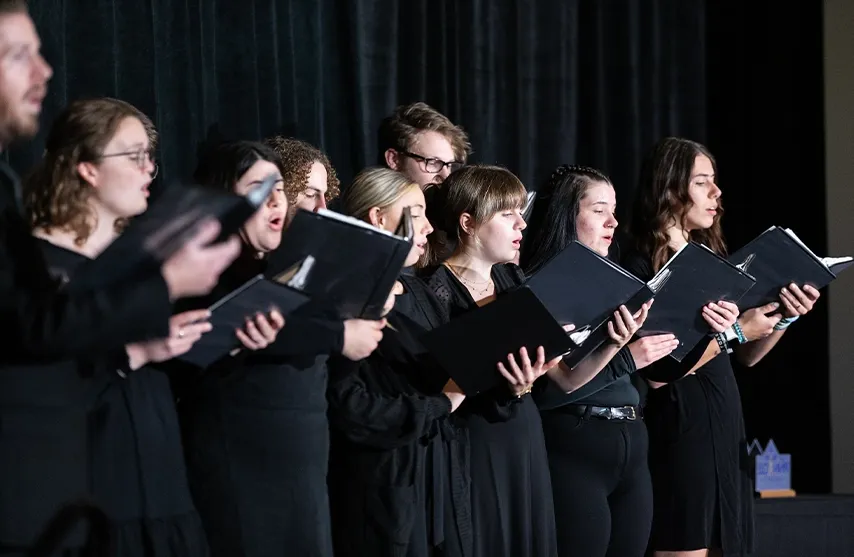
[{"x": 805, "y": 526}]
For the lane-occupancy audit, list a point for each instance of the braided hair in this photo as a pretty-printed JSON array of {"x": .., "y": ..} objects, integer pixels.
[{"x": 552, "y": 224}]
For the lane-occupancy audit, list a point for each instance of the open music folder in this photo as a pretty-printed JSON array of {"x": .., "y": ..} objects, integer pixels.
[
  {"x": 156, "y": 235},
  {"x": 698, "y": 276},
  {"x": 581, "y": 287},
  {"x": 778, "y": 258},
  {"x": 259, "y": 295},
  {"x": 355, "y": 265},
  {"x": 577, "y": 286}
]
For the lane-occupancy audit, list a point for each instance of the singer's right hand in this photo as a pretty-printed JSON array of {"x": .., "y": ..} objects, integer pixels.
[
  {"x": 361, "y": 337},
  {"x": 720, "y": 316}
]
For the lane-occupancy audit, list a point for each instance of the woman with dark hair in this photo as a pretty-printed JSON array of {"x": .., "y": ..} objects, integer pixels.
[
  {"x": 94, "y": 176},
  {"x": 479, "y": 209},
  {"x": 703, "y": 501},
  {"x": 255, "y": 426},
  {"x": 595, "y": 437}
]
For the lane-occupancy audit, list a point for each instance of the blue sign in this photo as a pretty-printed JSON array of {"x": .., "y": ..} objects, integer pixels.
[{"x": 773, "y": 470}]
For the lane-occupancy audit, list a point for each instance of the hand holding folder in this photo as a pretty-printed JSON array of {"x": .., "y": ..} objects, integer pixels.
[
  {"x": 156, "y": 235},
  {"x": 777, "y": 258},
  {"x": 258, "y": 295},
  {"x": 698, "y": 277},
  {"x": 355, "y": 264}
]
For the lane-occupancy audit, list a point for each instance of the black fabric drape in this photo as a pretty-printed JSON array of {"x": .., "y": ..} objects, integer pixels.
[{"x": 535, "y": 82}]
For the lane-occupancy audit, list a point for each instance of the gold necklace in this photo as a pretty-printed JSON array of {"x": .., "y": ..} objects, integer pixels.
[{"x": 471, "y": 285}]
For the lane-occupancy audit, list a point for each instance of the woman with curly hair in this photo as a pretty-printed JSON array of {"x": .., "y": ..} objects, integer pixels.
[
  {"x": 310, "y": 179},
  {"x": 702, "y": 495},
  {"x": 94, "y": 176}
]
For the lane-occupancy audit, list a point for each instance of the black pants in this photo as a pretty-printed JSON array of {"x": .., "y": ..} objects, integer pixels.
[{"x": 601, "y": 483}]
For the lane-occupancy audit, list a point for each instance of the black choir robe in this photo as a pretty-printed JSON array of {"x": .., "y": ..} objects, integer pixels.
[
  {"x": 398, "y": 476},
  {"x": 41, "y": 323},
  {"x": 256, "y": 437}
]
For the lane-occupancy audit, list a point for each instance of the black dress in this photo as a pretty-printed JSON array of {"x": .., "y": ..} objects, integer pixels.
[
  {"x": 703, "y": 496},
  {"x": 394, "y": 456},
  {"x": 137, "y": 473},
  {"x": 256, "y": 437},
  {"x": 512, "y": 507},
  {"x": 42, "y": 323}
]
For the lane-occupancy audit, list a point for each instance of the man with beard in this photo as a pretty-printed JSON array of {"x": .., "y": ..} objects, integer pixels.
[{"x": 43, "y": 323}]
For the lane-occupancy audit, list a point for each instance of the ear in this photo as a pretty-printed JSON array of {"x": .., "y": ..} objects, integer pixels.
[
  {"x": 88, "y": 172},
  {"x": 392, "y": 159},
  {"x": 467, "y": 223},
  {"x": 376, "y": 217}
]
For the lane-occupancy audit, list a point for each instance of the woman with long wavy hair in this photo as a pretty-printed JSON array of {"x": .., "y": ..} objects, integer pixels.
[{"x": 703, "y": 503}]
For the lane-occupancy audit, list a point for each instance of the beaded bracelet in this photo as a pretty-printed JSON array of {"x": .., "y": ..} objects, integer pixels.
[
  {"x": 739, "y": 333},
  {"x": 785, "y": 322}
]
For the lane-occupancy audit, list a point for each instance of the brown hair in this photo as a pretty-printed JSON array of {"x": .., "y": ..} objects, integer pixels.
[
  {"x": 479, "y": 190},
  {"x": 55, "y": 195},
  {"x": 663, "y": 198},
  {"x": 13, "y": 7},
  {"x": 295, "y": 159},
  {"x": 399, "y": 130}
]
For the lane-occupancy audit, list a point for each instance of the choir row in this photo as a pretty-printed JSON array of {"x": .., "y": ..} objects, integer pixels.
[{"x": 324, "y": 436}]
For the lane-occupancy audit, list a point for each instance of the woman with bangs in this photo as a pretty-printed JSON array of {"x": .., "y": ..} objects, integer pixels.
[
  {"x": 479, "y": 213},
  {"x": 702, "y": 494},
  {"x": 94, "y": 176},
  {"x": 255, "y": 425}
]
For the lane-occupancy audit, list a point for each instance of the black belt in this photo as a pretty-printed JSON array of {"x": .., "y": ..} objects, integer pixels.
[{"x": 630, "y": 413}]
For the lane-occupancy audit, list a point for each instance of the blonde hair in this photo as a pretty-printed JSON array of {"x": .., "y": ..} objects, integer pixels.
[{"x": 374, "y": 187}]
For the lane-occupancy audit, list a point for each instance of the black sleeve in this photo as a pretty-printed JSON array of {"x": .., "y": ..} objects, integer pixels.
[
  {"x": 620, "y": 365},
  {"x": 307, "y": 336},
  {"x": 369, "y": 416},
  {"x": 49, "y": 324}
]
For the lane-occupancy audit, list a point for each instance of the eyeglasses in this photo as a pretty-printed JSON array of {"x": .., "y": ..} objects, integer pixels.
[
  {"x": 139, "y": 156},
  {"x": 431, "y": 164}
]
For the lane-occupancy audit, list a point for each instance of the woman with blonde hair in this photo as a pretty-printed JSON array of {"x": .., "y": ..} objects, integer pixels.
[{"x": 391, "y": 451}]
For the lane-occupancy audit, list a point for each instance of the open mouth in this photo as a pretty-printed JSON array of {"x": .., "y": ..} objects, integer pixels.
[{"x": 276, "y": 222}]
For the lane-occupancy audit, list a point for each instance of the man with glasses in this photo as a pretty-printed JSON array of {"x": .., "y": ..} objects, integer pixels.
[{"x": 422, "y": 143}]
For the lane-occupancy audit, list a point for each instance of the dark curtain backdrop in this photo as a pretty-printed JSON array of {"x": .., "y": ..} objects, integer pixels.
[{"x": 536, "y": 83}]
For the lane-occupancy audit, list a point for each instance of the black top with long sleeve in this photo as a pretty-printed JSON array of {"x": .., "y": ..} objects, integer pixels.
[
  {"x": 43, "y": 323},
  {"x": 610, "y": 387},
  {"x": 394, "y": 457},
  {"x": 512, "y": 507},
  {"x": 256, "y": 436}
]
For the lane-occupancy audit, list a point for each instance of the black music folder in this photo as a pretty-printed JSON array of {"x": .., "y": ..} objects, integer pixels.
[
  {"x": 470, "y": 346},
  {"x": 698, "y": 276},
  {"x": 581, "y": 287},
  {"x": 153, "y": 237},
  {"x": 777, "y": 258},
  {"x": 355, "y": 265},
  {"x": 257, "y": 295}
]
